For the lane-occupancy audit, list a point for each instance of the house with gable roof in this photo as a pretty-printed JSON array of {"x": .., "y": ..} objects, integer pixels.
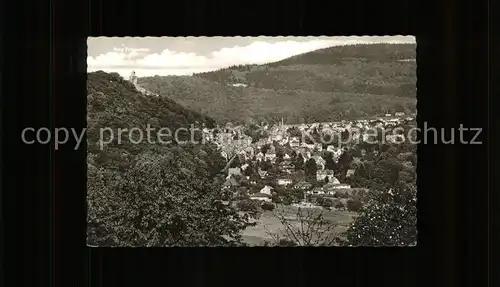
[
  {"x": 320, "y": 161},
  {"x": 234, "y": 171},
  {"x": 230, "y": 182},
  {"x": 264, "y": 194},
  {"x": 332, "y": 188},
  {"x": 260, "y": 156},
  {"x": 284, "y": 181},
  {"x": 350, "y": 172},
  {"x": 262, "y": 173},
  {"x": 326, "y": 173}
]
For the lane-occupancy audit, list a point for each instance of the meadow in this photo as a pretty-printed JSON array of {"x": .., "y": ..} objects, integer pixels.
[{"x": 269, "y": 222}]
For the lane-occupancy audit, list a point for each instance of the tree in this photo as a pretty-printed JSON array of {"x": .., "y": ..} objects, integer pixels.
[
  {"x": 356, "y": 163},
  {"x": 389, "y": 219},
  {"x": 324, "y": 202},
  {"x": 236, "y": 162},
  {"x": 380, "y": 134},
  {"x": 298, "y": 162},
  {"x": 248, "y": 171},
  {"x": 406, "y": 176},
  {"x": 344, "y": 159},
  {"x": 267, "y": 206},
  {"x": 329, "y": 162},
  {"x": 279, "y": 153},
  {"x": 286, "y": 199},
  {"x": 159, "y": 202},
  {"x": 297, "y": 194},
  {"x": 248, "y": 205},
  {"x": 365, "y": 170},
  {"x": 265, "y": 148},
  {"x": 278, "y": 160},
  {"x": 310, "y": 170},
  {"x": 308, "y": 228},
  {"x": 354, "y": 205},
  {"x": 255, "y": 177},
  {"x": 266, "y": 165},
  {"x": 344, "y": 135},
  {"x": 280, "y": 243},
  {"x": 388, "y": 171},
  {"x": 276, "y": 198},
  {"x": 294, "y": 132}
]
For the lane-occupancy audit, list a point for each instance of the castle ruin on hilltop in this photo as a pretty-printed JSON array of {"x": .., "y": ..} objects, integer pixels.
[{"x": 133, "y": 78}]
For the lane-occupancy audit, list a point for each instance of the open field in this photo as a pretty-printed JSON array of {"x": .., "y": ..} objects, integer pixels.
[{"x": 257, "y": 235}]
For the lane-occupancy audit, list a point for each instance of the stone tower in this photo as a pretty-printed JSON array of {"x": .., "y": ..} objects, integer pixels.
[{"x": 133, "y": 78}]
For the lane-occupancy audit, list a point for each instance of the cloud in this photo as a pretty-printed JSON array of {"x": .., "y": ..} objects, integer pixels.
[
  {"x": 179, "y": 63},
  {"x": 110, "y": 59},
  {"x": 263, "y": 52},
  {"x": 168, "y": 59}
]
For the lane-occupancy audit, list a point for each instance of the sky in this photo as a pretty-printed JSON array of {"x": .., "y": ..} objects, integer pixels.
[{"x": 149, "y": 56}]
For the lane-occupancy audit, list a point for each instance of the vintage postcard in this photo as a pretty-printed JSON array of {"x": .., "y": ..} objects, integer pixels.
[{"x": 252, "y": 141}]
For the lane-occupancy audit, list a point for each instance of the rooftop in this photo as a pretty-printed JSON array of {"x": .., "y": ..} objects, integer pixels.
[
  {"x": 335, "y": 185},
  {"x": 231, "y": 182},
  {"x": 260, "y": 194},
  {"x": 303, "y": 183}
]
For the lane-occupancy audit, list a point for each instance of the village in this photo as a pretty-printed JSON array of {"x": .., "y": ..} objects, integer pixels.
[{"x": 274, "y": 168}]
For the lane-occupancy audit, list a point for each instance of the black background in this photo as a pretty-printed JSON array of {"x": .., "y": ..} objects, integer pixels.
[{"x": 44, "y": 85}]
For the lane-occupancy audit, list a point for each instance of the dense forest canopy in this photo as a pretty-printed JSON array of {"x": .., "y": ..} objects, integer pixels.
[{"x": 152, "y": 194}]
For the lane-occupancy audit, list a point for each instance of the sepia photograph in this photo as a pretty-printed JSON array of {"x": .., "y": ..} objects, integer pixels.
[{"x": 252, "y": 141}]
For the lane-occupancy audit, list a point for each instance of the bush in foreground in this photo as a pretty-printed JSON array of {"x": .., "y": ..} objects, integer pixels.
[
  {"x": 307, "y": 227},
  {"x": 248, "y": 205},
  {"x": 337, "y": 204},
  {"x": 158, "y": 203},
  {"x": 280, "y": 243},
  {"x": 390, "y": 219},
  {"x": 267, "y": 206},
  {"x": 354, "y": 205}
]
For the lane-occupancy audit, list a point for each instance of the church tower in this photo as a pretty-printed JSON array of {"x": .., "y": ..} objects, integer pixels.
[{"x": 133, "y": 78}]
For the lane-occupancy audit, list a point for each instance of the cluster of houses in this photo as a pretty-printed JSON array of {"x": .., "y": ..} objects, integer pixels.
[
  {"x": 331, "y": 187},
  {"x": 234, "y": 142},
  {"x": 330, "y": 184}
]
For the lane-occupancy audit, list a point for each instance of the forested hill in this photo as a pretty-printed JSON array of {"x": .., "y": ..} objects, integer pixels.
[
  {"x": 367, "y": 52},
  {"x": 328, "y": 84},
  {"x": 115, "y": 103},
  {"x": 111, "y": 95},
  {"x": 148, "y": 193}
]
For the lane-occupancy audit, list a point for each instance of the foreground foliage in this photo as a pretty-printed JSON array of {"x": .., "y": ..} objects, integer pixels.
[
  {"x": 307, "y": 227},
  {"x": 152, "y": 194},
  {"x": 157, "y": 203},
  {"x": 390, "y": 219}
]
